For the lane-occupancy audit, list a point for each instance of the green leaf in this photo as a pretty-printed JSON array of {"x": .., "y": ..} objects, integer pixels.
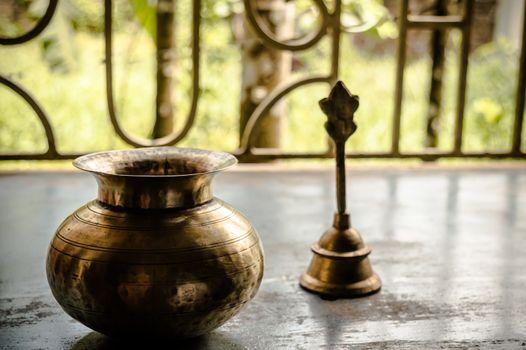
[{"x": 144, "y": 11}]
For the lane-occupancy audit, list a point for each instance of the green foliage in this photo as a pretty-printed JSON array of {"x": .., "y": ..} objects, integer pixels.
[
  {"x": 490, "y": 99},
  {"x": 144, "y": 12},
  {"x": 57, "y": 47},
  {"x": 368, "y": 16},
  {"x": 487, "y": 115}
]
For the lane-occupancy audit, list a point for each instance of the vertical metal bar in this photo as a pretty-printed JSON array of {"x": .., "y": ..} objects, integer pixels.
[
  {"x": 399, "y": 85},
  {"x": 340, "y": 177},
  {"x": 521, "y": 91},
  {"x": 108, "y": 65},
  {"x": 166, "y": 62},
  {"x": 335, "y": 24},
  {"x": 462, "y": 79}
]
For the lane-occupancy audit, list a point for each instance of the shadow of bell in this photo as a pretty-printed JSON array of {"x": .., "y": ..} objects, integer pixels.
[{"x": 98, "y": 341}]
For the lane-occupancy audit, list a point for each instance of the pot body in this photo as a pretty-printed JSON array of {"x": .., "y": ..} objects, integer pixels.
[{"x": 168, "y": 272}]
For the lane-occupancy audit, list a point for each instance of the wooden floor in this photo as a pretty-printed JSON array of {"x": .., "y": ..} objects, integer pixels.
[{"x": 449, "y": 245}]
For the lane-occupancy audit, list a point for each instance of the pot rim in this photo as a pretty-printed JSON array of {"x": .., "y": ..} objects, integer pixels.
[{"x": 94, "y": 162}]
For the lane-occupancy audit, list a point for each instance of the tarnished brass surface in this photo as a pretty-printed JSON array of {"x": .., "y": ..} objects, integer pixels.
[
  {"x": 340, "y": 266},
  {"x": 157, "y": 177},
  {"x": 155, "y": 254}
]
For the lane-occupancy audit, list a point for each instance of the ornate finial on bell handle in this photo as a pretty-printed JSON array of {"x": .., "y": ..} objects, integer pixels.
[{"x": 340, "y": 267}]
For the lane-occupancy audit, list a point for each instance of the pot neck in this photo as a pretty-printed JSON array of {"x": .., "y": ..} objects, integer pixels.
[{"x": 154, "y": 192}]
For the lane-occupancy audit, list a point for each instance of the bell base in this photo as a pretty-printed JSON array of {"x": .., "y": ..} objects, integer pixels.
[{"x": 328, "y": 290}]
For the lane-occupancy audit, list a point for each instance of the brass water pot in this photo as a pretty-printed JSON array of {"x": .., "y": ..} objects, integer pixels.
[{"x": 155, "y": 254}]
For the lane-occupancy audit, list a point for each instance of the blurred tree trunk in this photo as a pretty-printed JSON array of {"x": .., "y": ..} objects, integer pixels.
[
  {"x": 438, "y": 48},
  {"x": 264, "y": 68},
  {"x": 164, "y": 111}
]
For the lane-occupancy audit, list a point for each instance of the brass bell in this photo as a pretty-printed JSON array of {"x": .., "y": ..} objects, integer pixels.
[{"x": 340, "y": 267}]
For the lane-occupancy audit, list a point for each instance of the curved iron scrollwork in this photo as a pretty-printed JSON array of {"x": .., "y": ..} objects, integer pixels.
[
  {"x": 36, "y": 30},
  {"x": 264, "y": 107},
  {"x": 330, "y": 25},
  {"x": 266, "y": 35},
  {"x": 41, "y": 114},
  {"x": 176, "y": 136},
  {"x": 51, "y": 152}
]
